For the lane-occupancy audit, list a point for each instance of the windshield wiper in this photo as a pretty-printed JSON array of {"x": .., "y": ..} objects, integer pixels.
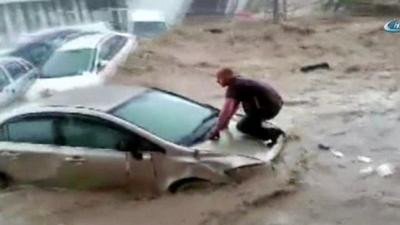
[
  {"x": 190, "y": 138},
  {"x": 208, "y": 118}
]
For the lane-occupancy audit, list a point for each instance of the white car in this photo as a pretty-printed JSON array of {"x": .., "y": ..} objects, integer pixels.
[
  {"x": 16, "y": 76},
  {"x": 147, "y": 23},
  {"x": 82, "y": 62}
]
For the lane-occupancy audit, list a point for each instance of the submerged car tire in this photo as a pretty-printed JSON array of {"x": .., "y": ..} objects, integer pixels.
[
  {"x": 5, "y": 181},
  {"x": 190, "y": 185}
]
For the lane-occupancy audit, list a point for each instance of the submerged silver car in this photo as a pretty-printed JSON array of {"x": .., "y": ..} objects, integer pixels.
[
  {"x": 16, "y": 77},
  {"x": 114, "y": 136}
]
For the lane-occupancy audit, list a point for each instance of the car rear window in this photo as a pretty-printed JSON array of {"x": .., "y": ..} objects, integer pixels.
[{"x": 35, "y": 131}]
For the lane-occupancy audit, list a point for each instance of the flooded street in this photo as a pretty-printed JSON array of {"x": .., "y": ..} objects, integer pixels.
[{"x": 351, "y": 108}]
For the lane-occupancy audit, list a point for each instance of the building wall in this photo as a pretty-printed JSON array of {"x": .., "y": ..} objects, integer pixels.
[
  {"x": 22, "y": 16},
  {"x": 18, "y": 17}
]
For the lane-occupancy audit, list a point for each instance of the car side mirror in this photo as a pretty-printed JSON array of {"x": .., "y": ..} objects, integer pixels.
[{"x": 129, "y": 146}]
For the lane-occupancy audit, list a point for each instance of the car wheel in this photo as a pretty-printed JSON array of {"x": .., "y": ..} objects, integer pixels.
[
  {"x": 191, "y": 185},
  {"x": 4, "y": 181}
]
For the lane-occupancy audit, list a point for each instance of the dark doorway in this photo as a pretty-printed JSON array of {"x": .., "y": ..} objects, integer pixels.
[{"x": 208, "y": 7}]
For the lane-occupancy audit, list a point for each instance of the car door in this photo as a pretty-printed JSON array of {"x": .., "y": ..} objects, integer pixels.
[
  {"x": 19, "y": 75},
  {"x": 96, "y": 158},
  {"x": 7, "y": 93},
  {"x": 28, "y": 151},
  {"x": 122, "y": 49},
  {"x": 102, "y": 61},
  {"x": 107, "y": 66},
  {"x": 31, "y": 75}
]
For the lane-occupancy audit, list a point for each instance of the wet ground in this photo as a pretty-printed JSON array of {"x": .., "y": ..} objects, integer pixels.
[{"x": 352, "y": 108}]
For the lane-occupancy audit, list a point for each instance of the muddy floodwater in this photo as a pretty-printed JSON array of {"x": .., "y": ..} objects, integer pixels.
[{"x": 352, "y": 108}]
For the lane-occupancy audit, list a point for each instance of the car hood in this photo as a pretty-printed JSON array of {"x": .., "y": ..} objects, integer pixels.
[
  {"x": 44, "y": 87},
  {"x": 233, "y": 141}
]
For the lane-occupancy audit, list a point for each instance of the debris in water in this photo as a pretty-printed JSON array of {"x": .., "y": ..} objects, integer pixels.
[
  {"x": 309, "y": 68},
  {"x": 268, "y": 142},
  {"x": 342, "y": 166},
  {"x": 353, "y": 69},
  {"x": 214, "y": 30},
  {"x": 205, "y": 64},
  {"x": 296, "y": 29},
  {"x": 367, "y": 171},
  {"x": 296, "y": 102},
  {"x": 385, "y": 170},
  {"x": 324, "y": 147},
  {"x": 364, "y": 159},
  {"x": 337, "y": 154}
]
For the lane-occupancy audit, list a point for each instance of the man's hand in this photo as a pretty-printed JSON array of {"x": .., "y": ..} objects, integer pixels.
[
  {"x": 230, "y": 107},
  {"x": 214, "y": 135}
]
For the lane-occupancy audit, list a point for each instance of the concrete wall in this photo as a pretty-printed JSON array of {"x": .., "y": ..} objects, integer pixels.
[{"x": 18, "y": 17}]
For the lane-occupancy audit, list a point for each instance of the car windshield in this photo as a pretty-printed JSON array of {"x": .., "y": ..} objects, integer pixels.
[
  {"x": 68, "y": 63},
  {"x": 169, "y": 117},
  {"x": 149, "y": 29}
]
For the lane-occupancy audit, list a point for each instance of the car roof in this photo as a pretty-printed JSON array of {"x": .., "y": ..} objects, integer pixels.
[
  {"x": 87, "y": 41},
  {"x": 100, "y": 98},
  {"x": 91, "y": 27},
  {"x": 53, "y": 40},
  {"x": 45, "y": 35},
  {"x": 147, "y": 15},
  {"x": 97, "y": 98}
]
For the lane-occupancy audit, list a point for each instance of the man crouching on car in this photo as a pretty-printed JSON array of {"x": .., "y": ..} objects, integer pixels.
[{"x": 260, "y": 102}]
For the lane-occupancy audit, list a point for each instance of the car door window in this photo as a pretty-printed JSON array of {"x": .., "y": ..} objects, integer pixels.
[
  {"x": 105, "y": 50},
  {"x": 15, "y": 69},
  {"x": 31, "y": 130},
  {"x": 110, "y": 48},
  {"x": 91, "y": 133},
  {"x": 83, "y": 131},
  {"x": 120, "y": 43},
  {"x": 3, "y": 80}
]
